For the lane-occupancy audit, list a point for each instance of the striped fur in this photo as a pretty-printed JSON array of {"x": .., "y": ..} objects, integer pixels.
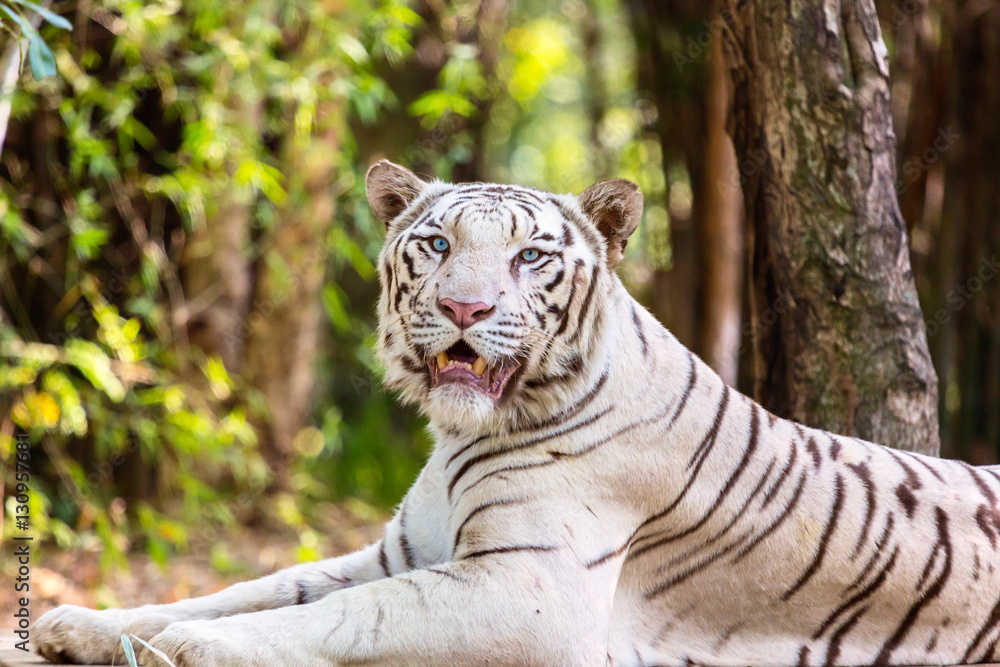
[{"x": 620, "y": 505}]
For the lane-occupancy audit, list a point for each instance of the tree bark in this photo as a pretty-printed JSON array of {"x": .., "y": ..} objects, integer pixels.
[{"x": 839, "y": 338}]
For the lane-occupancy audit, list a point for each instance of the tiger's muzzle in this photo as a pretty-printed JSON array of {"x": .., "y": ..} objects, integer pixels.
[{"x": 462, "y": 365}]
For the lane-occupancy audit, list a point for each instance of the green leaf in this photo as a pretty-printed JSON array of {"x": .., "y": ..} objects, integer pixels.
[
  {"x": 129, "y": 651},
  {"x": 353, "y": 49},
  {"x": 51, "y": 17},
  {"x": 436, "y": 103},
  {"x": 157, "y": 652},
  {"x": 43, "y": 63},
  {"x": 88, "y": 241},
  {"x": 18, "y": 19},
  {"x": 263, "y": 177},
  {"x": 96, "y": 367}
]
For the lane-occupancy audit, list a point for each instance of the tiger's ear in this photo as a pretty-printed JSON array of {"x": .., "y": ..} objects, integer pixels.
[
  {"x": 615, "y": 206},
  {"x": 391, "y": 189}
]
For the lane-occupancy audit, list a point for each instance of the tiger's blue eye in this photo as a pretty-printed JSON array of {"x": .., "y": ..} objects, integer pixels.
[
  {"x": 530, "y": 255},
  {"x": 440, "y": 244}
]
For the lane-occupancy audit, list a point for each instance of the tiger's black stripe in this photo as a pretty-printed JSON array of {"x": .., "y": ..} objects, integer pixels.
[
  {"x": 524, "y": 445},
  {"x": 713, "y": 432},
  {"x": 833, "y": 650},
  {"x": 774, "y": 525},
  {"x": 585, "y": 308},
  {"x": 860, "y": 596},
  {"x": 564, "y": 322},
  {"x": 749, "y": 449},
  {"x": 932, "y": 591},
  {"x": 510, "y": 549},
  {"x": 864, "y": 474},
  {"x": 772, "y": 493},
  {"x": 383, "y": 559},
  {"x": 813, "y": 450},
  {"x": 409, "y": 555},
  {"x": 708, "y": 443},
  {"x": 692, "y": 379},
  {"x": 880, "y": 544},
  {"x": 639, "y": 332},
  {"x": 991, "y": 624},
  {"x": 824, "y": 542},
  {"x": 446, "y": 573},
  {"x": 480, "y": 509}
]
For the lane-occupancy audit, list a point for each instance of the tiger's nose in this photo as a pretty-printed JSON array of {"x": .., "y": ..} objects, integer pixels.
[{"x": 464, "y": 315}]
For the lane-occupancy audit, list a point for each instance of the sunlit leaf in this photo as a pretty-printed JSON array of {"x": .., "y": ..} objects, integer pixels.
[
  {"x": 263, "y": 177},
  {"x": 48, "y": 15}
]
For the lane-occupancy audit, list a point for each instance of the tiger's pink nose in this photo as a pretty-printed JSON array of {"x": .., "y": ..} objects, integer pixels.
[{"x": 464, "y": 315}]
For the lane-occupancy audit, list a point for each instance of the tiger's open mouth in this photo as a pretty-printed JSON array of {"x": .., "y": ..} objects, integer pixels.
[{"x": 460, "y": 364}]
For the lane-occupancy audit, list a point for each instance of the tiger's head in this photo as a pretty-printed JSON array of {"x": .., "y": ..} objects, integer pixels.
[{"x": 493, "y": 295}]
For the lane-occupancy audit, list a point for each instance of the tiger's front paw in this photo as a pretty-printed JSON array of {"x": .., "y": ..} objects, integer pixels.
[
  {"x": 78, "y": 635},
  {"x": 206, "y": 644},
  {"x": 245, "y": 640}
]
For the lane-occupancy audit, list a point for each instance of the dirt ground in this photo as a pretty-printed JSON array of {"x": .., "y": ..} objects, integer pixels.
[{"x": 74, "y": 577}]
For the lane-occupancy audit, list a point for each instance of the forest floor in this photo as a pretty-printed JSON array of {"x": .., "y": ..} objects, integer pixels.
[{"x": 75, "y": 577}]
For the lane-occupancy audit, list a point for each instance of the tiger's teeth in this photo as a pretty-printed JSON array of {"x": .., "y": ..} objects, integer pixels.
[
  {"x": 479, "y": 367},
  {"x": 442, "y": 360}
]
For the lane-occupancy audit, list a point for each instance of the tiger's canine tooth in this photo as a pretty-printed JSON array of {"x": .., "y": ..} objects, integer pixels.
[
  {"x": 479, "y": 367},
  {"x": 442, "y": 360}
]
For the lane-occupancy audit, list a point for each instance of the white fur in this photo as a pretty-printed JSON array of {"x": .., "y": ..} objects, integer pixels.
[{"x": 552, "y": 567}]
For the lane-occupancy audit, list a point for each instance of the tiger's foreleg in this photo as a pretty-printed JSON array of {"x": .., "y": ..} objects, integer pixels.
[
  {"x": 72, "y": 633},
  {"x": 516, "y": 606}
]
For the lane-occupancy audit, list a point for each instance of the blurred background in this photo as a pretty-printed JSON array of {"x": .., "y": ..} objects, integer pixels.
[{"x": 187, "y": 286}]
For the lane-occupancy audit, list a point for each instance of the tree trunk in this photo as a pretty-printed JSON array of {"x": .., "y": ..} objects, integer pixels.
[
  {"x": 918, "y": 83},
  {"x": 596, "y": 96},
  {"x": 217, "y": 282},
  {"x": 285, "y": 320},
  {"x": 839, "y": 337},
  {"x": 721, "y": 237},
  {"x": 698, "y": 298},
  {"x": 486, "y": 34}
]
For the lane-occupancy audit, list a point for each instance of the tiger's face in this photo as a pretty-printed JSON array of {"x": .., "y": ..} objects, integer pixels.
[{"x": 490, "y": 292}]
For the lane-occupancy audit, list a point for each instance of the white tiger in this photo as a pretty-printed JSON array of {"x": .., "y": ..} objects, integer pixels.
[{"x": 597, "y": 495}]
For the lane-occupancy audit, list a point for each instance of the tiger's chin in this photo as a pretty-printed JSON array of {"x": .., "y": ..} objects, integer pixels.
[{"x": 460, "y": 407}]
